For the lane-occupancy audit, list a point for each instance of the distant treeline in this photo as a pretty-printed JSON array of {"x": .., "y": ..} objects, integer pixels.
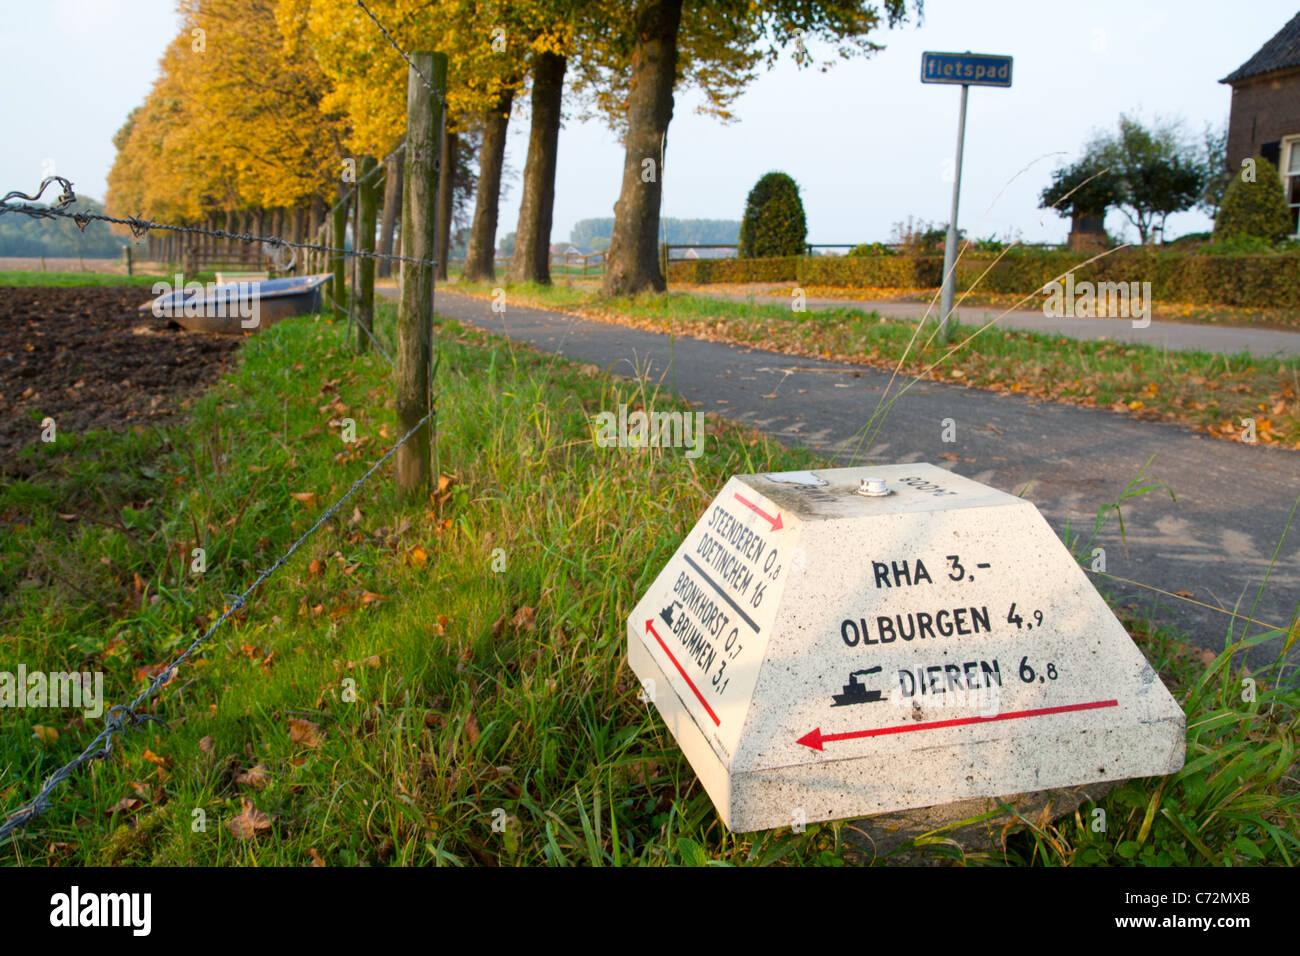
[
  {"x": 595, "y": 233},
  {"x": 27, "y": 237}
]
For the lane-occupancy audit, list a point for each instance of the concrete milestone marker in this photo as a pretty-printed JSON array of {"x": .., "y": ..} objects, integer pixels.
[{"x": 847, "y": 642}]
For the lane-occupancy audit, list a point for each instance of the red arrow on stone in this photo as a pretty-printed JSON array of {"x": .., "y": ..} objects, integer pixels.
[
  {"x": 815, "y": 738},
  {"x": 774, "y": 522}
]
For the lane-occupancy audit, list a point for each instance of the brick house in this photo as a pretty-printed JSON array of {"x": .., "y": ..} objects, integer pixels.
[{"x": 1265, "y": 115}]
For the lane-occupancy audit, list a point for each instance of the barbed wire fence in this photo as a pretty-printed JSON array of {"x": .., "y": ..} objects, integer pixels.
[{"x": 120, "y": 717}]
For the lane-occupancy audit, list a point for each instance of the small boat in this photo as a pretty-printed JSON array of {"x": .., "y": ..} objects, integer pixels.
[{"x": 233, "y": 308}]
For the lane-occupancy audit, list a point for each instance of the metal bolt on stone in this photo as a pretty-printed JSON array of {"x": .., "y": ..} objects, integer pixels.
[{"x": 873, "y": 488}]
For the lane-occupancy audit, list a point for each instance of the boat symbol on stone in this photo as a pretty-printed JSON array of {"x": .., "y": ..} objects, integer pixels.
[{"x": 855, "y": 693}]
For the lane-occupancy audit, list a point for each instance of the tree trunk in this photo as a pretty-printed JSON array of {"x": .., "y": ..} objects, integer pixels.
[
  {"x": 632, "y": 264},
  {"x": 446, "y": 196},
  {"x": 480, "y": 256},
  {"x": 392, "y": 204},
  {"x": 531, "y": 260}
]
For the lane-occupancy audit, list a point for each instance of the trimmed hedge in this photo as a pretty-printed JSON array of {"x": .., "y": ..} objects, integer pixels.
[
  {"x": 1258, "y": 281},
  {"x": 704, "y": 271}
]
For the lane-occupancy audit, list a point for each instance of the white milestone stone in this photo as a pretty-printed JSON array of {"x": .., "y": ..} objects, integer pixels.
[{"x": 821, "y": 654}]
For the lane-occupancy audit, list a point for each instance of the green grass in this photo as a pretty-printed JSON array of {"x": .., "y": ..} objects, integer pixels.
[
  {"x": 476, "y": 689},
  {"x": 1212, "y": 392},
  {"x": 77, "y": 278}
]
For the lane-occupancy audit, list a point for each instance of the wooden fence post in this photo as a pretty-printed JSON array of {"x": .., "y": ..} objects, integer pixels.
[
  {"x": 339, "y": 237},
  {"x": 415, "y": 312},
  {"x": 364, "y": 295}
]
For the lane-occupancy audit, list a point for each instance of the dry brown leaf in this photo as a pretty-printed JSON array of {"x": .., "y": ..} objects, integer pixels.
[
  {"x": 207, "y": 744},
  {"x": 417, "y": 557},
  {"x": 46, "y": 735},
  {"x": 306, "y": 497},
  {"x": 316, "y": 568},
  {"x": 525, "y": 618},
  {"x": 370, "y": 597},
  {"x": 152, "y": 757},
  {"x": 125, "y": 805},
  {"x": 249, "y": 821},
  {"x": 304, "y": 732},
  {"x": 471, "y": 729},
  {"x": 258, "y": 777},
  {"x": 316, "y": 859}
]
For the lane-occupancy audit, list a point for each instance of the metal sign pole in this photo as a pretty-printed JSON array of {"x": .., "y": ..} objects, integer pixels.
[
  {"x": 967, "y": 69},
  {"x": 950, "y": 245}
]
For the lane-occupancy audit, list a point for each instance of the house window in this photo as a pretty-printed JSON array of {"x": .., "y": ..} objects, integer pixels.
[{"x": 1291, "y": 179}]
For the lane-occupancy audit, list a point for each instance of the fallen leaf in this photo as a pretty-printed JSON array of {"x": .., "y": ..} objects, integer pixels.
[
  {"x": 249, "y": 821},
  {"x": 471, "y": 729},
  {"x": 524, "y": 618},
  {"x": 306, "y": 497},
  {"x": 125, "y": 805},
  {"x": 316, "y": 568},
  {"x": 304, "y": 732},
  {"x": 46, "y": 735},
  {"x": 206, "y": 744},
  {"x": 257, "y": 778},
  {"x": 316, "y": 859},
  {"x": 152, "y": 757},
  {"x": 1185, "y": 593},
  {"x": 370, "y": 597},
  {"x": 418, "y": 557}
]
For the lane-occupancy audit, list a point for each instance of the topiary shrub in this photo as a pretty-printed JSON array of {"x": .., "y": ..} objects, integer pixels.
[
  {"x": 774, "y": 223},
  {"x": 1255, "y": 209}
]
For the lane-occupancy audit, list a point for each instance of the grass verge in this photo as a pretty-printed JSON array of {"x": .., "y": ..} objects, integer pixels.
[
  {"x": 1268, "y": 318},
  {"x": 1210, "y": 392},
  {"x": 421, "y": 671}
]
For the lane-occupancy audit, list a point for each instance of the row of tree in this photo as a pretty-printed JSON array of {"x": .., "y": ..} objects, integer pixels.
[{"x": 265, "y": 109}]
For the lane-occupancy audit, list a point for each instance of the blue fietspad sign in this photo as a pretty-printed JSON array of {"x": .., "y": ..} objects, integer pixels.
[{"x": 970, "y": 69}]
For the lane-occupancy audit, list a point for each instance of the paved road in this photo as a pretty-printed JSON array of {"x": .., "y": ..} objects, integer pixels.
[
  {"x": 1214, "y": 542},
  {"x": 1178, "y": 336}
]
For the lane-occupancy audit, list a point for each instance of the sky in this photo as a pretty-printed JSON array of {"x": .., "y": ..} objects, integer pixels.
[{"x": 867, "y": 142}]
